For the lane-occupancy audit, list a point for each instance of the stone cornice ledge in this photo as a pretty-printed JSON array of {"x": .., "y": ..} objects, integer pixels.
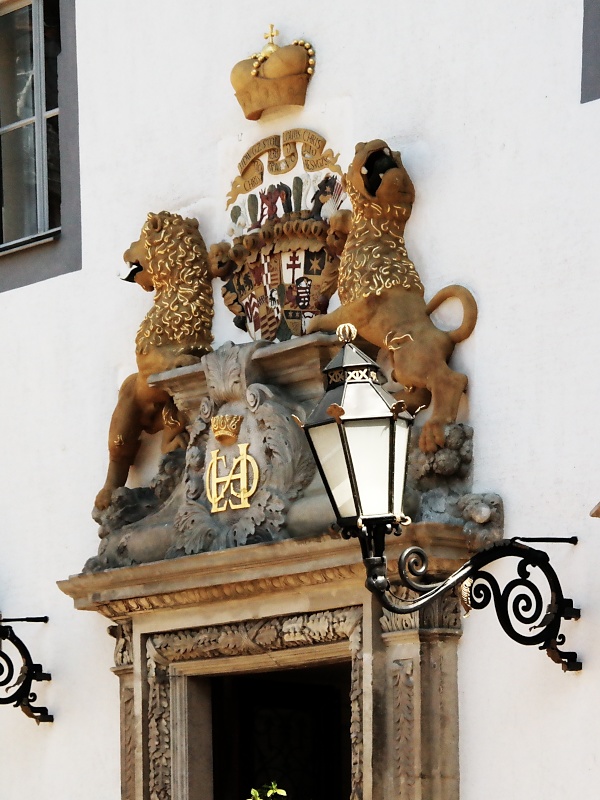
[{"x": 249, "y": 571}]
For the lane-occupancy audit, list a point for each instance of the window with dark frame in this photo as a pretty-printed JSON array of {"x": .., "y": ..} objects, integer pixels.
[
  {"x": 590, "y": 70},
  {"x": 30, "y": 191}
]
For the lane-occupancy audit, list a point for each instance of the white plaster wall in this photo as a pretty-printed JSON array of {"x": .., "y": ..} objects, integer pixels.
[{"x": 483, "y": 101}]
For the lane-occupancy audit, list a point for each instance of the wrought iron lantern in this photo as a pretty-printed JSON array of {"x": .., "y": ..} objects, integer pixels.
[
  {"x": 16, "y": 678},
  {"x": 356, "y": 417},
  {"x": 359, "y": 436}
]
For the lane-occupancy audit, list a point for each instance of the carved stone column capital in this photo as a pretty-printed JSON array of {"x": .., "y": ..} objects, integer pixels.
[
  {"x": 399, "y": 623},
  {"x": 122, "y": 632},
  {"x": 442, "y": 616}
]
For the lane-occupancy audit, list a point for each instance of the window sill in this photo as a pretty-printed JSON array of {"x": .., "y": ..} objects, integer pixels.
[{"x": 29, "y": 241}]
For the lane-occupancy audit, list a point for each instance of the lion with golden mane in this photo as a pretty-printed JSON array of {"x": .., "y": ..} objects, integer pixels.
[
  {"x": 170, "y": 259},
  {"x": 383, "y": 297}
]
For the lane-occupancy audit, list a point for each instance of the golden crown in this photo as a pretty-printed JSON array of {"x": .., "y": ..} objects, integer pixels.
[
  {"x": 277, "y": 76},
  {"x": 226, "y": 427}
]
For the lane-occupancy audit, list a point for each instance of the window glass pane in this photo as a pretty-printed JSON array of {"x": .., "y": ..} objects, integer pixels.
[
  {"x": 51, "y": 51},
  {"x": 16, "y": 66},
  {"x": 53, "y": 173},
  {"x": 17, "y": 184}
]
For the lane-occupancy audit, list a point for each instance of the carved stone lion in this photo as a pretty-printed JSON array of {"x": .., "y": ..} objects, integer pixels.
[
  {"x": 170, "y": 259},
  {"x": 382, "y": 295}
]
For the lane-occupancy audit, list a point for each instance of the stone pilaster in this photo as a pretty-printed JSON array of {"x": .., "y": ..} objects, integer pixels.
[
  {"x": 403, "y": 689},
  {"x": 422, "y": 701},
  {"x": 123, "y": 668}
]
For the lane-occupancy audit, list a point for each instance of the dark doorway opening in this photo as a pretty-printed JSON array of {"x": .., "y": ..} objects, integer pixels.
[{"x": 288, "y": 726}]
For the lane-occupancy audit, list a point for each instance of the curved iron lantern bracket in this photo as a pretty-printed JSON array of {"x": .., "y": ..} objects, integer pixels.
[
  {"x": 16, "y": 679},
  {"x": 519, "y": 605}
]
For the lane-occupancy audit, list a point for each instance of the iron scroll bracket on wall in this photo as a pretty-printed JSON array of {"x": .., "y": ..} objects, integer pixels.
[
  {"x": 16, "y": 679},
  {"x": 519, "y": 605}
]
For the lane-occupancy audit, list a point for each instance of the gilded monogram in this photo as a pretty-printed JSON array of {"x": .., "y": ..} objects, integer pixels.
[{"x": 245, "y": 479}]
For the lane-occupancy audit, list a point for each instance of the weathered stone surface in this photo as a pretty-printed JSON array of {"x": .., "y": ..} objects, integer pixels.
[
  {"x": 263, "y": 385},
  {"x": 184, "y": 511},
  {"x": 439, "y": 489}
]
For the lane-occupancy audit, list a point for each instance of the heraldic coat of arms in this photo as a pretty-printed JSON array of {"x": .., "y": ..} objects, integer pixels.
[{"x": 279, "y": 272}]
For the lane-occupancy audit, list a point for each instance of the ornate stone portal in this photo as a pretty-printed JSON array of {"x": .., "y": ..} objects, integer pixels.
[
  {"x": 278, "y": 606},
  {"x": 226, "y": 564},
  {"x": 238, "y": 596}
]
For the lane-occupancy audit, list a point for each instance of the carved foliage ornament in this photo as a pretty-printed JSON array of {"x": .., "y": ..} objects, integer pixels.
[{"x": 123, "y": 633}]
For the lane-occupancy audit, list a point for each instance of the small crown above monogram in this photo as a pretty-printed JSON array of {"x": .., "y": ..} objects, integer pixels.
[{"x": 226, "y": 428}]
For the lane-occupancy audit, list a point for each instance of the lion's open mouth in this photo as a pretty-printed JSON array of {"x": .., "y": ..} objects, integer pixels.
[
  {"x": 375, "y": 167},
  {"x": 134, "y": 268}
]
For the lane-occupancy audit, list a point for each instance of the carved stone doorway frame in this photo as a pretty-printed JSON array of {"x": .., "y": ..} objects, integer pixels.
[
  {"x": 267, "y": 607},
  {"x": 177, "y": 709}
]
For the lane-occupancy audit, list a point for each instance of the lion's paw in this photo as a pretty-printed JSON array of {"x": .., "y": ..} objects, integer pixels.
[
  {"x": 103, "y": 498},
  {"x": 185, "y": 361},
  {"x": 433, "y": 436}
]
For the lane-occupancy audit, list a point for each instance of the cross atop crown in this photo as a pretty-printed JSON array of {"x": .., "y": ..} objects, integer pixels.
[
  {"x": 271, "y": 34},
  {"x": 270, "y": 47}
]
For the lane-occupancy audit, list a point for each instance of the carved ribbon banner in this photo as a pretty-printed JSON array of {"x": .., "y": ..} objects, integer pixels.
[{"x": 251, "y": 168}]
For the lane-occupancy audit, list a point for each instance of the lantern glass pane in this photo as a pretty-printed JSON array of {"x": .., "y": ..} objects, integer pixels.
[
  {"x": 328, "y": 444},
  {"x": 361, "y": 400},
  {"x": 369, "y": 445},
  {"x": 400, "y": 457}
]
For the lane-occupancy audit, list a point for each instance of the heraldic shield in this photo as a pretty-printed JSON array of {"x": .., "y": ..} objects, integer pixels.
[
  {"x": 280, "y": 291},
  {"x": 278, "y": 272}
]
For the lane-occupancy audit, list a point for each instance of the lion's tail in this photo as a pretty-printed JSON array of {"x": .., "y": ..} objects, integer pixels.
[{"x": 465, "y": 329}]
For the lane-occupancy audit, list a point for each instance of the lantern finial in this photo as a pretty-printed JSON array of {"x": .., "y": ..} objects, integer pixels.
[{"x": 346, "y": 333}]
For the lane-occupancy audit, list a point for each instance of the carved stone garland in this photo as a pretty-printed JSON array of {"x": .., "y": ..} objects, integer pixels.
[{"x": 246, "y": 638}]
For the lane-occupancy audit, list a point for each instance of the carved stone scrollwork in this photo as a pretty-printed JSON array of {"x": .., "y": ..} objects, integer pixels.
[
  {"x": 281, "y": 464},
  {"x": 159, "y": 732},
  {"x": 250, "y": 637},
  {"x": 123, "y": 633}
]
